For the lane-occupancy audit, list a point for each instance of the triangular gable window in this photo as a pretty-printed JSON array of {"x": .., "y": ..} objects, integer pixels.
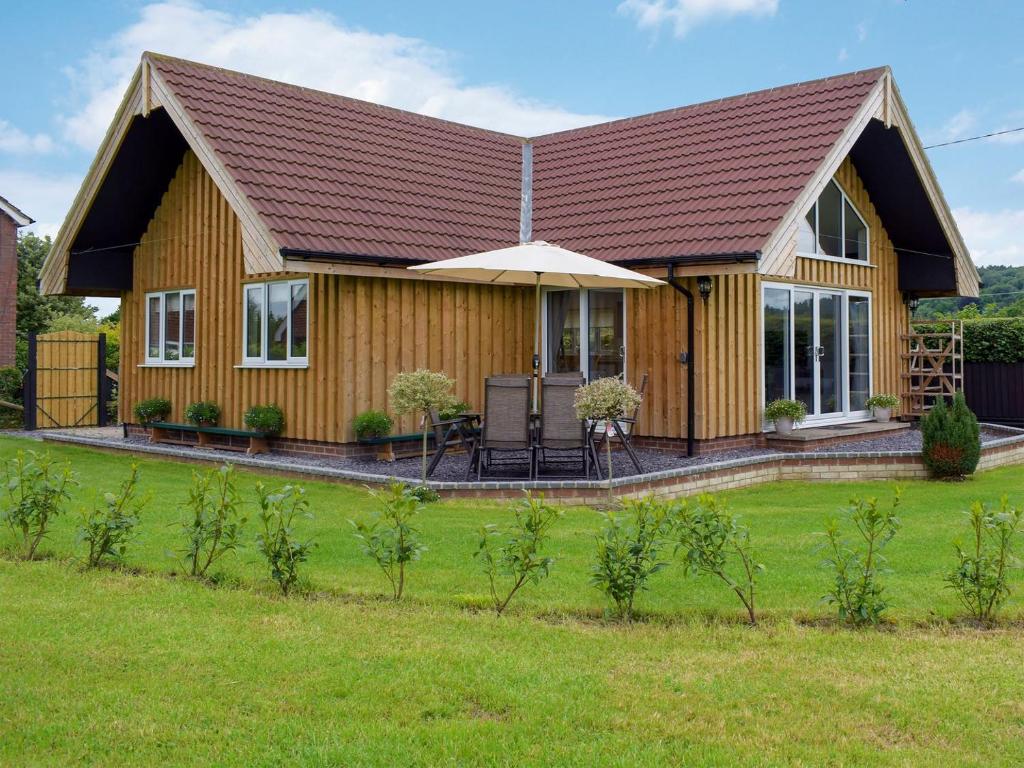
[{"x": 833, "y": 229}]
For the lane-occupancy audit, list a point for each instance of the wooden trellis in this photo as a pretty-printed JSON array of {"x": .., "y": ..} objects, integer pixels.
[{"x": 933, "y": 366}]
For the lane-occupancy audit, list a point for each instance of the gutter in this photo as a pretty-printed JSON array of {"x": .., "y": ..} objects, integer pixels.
[
  {"x": 742, "y": 257},
  {"x": 686, "y": 358},
  {"x": 346, "y": 258}
]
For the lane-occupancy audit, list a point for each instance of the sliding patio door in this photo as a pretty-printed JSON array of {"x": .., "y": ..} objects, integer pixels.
[{"x": 817, "y": 349}]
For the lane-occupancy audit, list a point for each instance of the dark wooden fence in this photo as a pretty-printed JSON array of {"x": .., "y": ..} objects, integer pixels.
[{"x": 995, "y": 392}]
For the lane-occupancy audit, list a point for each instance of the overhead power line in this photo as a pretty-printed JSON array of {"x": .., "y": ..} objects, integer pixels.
[{"x": 975, "y": 138}]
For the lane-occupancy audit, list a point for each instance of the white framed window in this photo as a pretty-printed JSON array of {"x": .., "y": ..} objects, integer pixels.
[
  {"x": 171, "y": 327},
  {"x": 817, "y": 348},
  {"x": 584, "y": 330},
  {"x": 275, "y": 323},
  {"x": 833, "y": 228}
]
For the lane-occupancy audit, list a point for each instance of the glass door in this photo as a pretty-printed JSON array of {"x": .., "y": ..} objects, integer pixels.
[
  {"x": 585, "y": 330},
  {"x": 817, "y": 349}
]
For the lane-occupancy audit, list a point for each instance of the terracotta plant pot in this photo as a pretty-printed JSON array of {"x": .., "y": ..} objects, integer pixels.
[
  {"x": 882, "y": 415},
  {"x": 784, "y": 425}
]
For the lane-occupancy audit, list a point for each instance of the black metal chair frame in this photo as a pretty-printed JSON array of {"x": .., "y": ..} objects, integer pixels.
[{"x": 482, "y": 457}]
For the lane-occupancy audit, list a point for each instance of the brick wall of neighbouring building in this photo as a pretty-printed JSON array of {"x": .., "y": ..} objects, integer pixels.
[{"x": 8, "y": 288}]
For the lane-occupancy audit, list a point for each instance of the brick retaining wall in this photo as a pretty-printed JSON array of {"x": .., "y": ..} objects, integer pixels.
[{"x": 672, "y": 483}]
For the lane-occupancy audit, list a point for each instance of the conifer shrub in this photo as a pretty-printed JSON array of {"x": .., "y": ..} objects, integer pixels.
[{"x": 951, "y": 439}]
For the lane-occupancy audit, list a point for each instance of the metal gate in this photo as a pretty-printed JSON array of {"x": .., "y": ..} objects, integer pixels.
[{"x": 66, "y": 384}]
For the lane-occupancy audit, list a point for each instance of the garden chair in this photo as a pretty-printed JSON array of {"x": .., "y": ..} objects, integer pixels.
[
  {"x": 561, "y": 430},
  {"x": 451, "y": 433},
  {"x": 506, "y": 425},
  {"x": 624, "y": 426}
]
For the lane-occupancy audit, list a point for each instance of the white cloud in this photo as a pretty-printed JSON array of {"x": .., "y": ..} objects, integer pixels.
[
  {"x": 843, "y": 54},
  {"x": 862, "y": 32},
  {"x": 684, "y": 15},
  {"x": 1018, "y": 176},
  {"x": 314, "y": 49},
  {"x": 15, "y": 141},
  {"x": 959, "y": 125},
  {"x": 45, "y": 198},
  {"x": 993, "y": 237}
]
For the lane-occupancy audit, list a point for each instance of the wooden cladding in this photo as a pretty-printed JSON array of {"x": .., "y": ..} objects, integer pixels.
[
  {"x": 362, "y": 330},
  {"x": 365, "y": 329},
  {"x": 66, "y": 382}
]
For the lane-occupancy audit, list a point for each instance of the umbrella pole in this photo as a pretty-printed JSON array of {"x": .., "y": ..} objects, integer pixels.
[{"x": 536, "y": 341}]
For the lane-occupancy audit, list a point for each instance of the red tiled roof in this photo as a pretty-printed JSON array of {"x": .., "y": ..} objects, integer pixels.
[
  {"x": 714, "y": 178},
  {"x": 337, "y": 175}
]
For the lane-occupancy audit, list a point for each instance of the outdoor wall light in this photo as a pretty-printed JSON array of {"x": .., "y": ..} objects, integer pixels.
[
  {"x": 912, "y": 302},
  {"x": 704, "y": 286}
]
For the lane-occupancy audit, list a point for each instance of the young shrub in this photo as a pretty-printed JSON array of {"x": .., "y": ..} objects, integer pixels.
[
  {"x": 604, "y": 400},
  {"x": 951, "y": 439},
  {"x": 390, "y": 538},
  {"x": 515, "y": 552},
  {"x": 370, "y": 424},
  {"x": 980, "y": 579},
  {"x": 153, "y": 409},
  {"x": 426, "y": 494},
  {"x": 714, "y": 543},
  {"x": 203, "y": 413},
  {"x": 858, "y": 592},
  {"x": 107, "y": 529},
  {"x": 268, "y": 419},
  {"x": 629, "y": 551},
  {"x": 37, "y": 490},
  {"x": 420, "y": 392},
  {"x": 278, "y": 513},
  {"x": 214, "y": 522}
]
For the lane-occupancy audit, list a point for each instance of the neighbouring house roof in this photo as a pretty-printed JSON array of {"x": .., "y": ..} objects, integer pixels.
[
  {"x": 328, "y": 178},
  {"x": 21, "y": 218}
]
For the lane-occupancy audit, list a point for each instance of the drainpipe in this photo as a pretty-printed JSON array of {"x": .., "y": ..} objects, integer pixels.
[{"x": 686, "y": 358}]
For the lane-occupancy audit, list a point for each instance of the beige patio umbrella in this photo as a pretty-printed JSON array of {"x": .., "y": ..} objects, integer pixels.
[{"x": 538, "y": 264}]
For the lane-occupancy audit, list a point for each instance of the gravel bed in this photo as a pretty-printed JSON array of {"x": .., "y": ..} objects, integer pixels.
[{"x": 902, "y": 440}]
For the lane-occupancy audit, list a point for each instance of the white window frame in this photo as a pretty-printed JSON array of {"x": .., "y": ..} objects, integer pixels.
[
  {"x": 182, "y": 361},
  {"x": 842, "y": 231},
  {"x": 261, "y": 361},
  {"x": 846, "y": 415},
  {"x": 584, "y": 319}
]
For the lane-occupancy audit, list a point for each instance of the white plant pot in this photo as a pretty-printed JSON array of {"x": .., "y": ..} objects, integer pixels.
[
  {"x": 784, "y": 425},
  {"x": 882, "y": 415}
]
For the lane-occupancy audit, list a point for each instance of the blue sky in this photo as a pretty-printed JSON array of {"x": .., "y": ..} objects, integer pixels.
[{"x": 528, "y": 67}]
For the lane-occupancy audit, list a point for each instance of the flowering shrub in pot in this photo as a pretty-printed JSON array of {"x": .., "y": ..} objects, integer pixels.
[
  {"x": 882, "y": 405},
  {"x": 786, "y": 414}
]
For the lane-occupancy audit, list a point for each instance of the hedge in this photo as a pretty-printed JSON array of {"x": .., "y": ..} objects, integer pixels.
[{"x": 987, "y": 341}]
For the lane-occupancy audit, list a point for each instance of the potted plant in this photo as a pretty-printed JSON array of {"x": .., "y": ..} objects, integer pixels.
[
  {"x": 371, "y": 424},
  {"x": 882, "y": 404},
  {"x": 267, "y": 419},
  {"x": 420, "y": 392},
  {"x": 204, "y": 413},
  {"x": 786, "y": 414},
  {"x": 604, "y": 400},
  {"x": 153, "y": 409}
]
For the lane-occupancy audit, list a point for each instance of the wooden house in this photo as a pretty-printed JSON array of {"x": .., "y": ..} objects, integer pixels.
[{"x": 258, "y": 234}]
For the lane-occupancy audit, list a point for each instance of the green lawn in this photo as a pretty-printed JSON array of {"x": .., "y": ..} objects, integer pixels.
[{"x": 108, "y": 668}]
